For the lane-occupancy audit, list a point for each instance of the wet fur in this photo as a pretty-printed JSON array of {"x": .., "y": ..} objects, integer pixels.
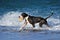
[{"x": 33, "y": 20}]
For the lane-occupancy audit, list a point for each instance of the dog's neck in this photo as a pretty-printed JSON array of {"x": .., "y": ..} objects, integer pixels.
[{"x": 26, "y": 18}]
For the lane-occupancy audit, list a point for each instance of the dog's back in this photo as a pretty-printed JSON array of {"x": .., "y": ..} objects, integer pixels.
[{"x": 33, "y": 19}]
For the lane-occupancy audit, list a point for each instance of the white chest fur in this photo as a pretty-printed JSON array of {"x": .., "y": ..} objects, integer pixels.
[{"x": 27, "y": 19}]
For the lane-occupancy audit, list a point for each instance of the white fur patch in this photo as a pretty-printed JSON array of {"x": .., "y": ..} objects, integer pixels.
[{"x": 27, "y": 19}]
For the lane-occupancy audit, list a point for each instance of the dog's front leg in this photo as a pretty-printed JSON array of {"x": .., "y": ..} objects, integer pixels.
[{"x": 25, "y": 23}]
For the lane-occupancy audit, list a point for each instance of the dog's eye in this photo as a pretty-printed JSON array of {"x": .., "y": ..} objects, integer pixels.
[{"x": 19, "y": 16}]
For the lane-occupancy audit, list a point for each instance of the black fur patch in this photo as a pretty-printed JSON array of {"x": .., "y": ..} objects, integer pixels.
[{"x": 24, "y": 15}]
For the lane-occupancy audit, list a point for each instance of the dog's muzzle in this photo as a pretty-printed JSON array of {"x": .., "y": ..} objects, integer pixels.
[{"x": 20, "y": 18}]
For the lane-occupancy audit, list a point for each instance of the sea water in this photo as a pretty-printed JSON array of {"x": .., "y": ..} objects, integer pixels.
[{"x": 9, "y": 23}]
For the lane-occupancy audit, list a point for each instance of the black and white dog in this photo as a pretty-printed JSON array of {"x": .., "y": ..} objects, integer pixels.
[{"x": 33, "y": 20}]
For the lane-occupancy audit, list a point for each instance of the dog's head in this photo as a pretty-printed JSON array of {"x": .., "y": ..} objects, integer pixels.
[{"x": 22, "y": 16}]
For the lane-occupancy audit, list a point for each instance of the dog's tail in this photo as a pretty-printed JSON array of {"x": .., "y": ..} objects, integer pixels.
[{"x": 49, "y": 16}]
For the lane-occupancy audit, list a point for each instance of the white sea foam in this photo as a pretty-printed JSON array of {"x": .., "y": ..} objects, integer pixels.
[{"x": 11, "y": 19}]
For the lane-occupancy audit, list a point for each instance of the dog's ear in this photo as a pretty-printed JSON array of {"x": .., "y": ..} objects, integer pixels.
[{"x": 24, "y": 15}]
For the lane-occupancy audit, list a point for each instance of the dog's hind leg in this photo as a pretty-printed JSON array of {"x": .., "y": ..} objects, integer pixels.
[
  {"x": 40, "y": 24},
  {"x": 47, "y": 24}
]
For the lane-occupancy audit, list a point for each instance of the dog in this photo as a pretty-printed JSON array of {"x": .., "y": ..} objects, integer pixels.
[{"x": 33, "y": 20}]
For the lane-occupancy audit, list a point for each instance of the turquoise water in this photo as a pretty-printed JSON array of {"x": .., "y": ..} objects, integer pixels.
[
  {"x": 11, "y": 9},
  {"x": 42, "y": 6}
]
